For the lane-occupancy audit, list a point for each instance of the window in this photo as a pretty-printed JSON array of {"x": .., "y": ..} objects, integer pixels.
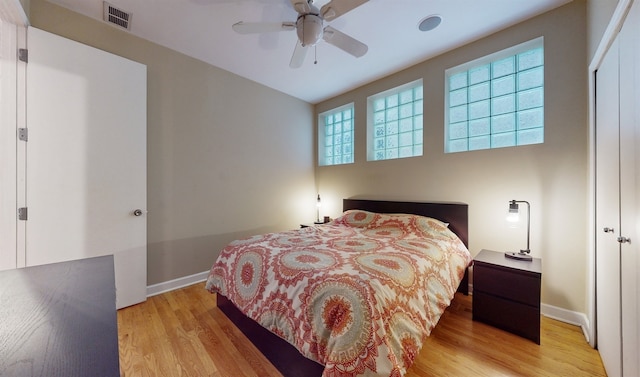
[
  {"x": 394, "y": 125},
  {"x": 335, "y": 136},
  {"x": 496, "y": 101}
]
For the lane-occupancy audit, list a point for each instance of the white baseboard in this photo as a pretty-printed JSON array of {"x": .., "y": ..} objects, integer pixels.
[
  {"x": 171, "y": 285},
  {"x": 567, "y": 316},
  {"x": 562, "y": 315}
]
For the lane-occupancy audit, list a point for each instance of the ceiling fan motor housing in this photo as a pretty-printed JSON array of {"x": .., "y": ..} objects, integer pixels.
[{"x": 309, "y": 29}]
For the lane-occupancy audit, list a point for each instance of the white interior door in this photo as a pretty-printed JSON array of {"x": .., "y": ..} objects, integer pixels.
[
  {"x": 629, "y": 195},
  {"x": 86, "y": 159},
  {"x": 609, "y": 327}
]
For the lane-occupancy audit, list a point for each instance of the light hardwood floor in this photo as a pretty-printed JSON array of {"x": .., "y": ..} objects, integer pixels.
[{"x": 183, "y": 333}]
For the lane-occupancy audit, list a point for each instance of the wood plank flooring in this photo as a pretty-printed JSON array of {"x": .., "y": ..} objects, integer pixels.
[{"x": 183, "y": 333}]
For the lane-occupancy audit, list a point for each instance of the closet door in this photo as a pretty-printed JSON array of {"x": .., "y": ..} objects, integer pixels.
[
  {"x": 609, "y": 326},
  {"x": 629, "y": 185}
]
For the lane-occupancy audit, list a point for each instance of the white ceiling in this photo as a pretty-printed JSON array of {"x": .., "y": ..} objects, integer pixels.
[{"x": 202, "y": 29}]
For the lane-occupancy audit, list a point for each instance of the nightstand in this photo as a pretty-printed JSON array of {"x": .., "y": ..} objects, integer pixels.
[
  {"x": 315, "y": 223},
  {"x": 506, "y": 293}
]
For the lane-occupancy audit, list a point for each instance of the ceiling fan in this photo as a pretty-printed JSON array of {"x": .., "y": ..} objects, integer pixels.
[{"x": 311, "y": 29}]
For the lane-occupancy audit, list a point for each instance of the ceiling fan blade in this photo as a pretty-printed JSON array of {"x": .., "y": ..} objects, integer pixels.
[
  {"x": 301, "y": 6},
  {"x": 299, "y": 53},
  {"x": 262, "y": 27},
  {"x": 344, "y": 42},
  {"x": 336, "y": 8}
]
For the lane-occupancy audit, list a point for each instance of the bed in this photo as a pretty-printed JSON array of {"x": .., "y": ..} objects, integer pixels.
[{"x": 351, "y": 298}]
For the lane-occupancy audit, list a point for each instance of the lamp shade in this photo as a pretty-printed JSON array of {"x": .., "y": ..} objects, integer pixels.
[{"x": 513, "y": 216}]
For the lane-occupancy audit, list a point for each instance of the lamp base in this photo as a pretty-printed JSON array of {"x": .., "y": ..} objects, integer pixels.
[{"x": 519, "y": 256}]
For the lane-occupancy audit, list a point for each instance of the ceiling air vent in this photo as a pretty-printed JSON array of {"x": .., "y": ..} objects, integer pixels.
[{"x": 116, "y": 16}]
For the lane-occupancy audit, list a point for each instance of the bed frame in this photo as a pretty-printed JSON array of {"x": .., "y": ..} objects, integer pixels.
[{"x": 285, "y": 357}]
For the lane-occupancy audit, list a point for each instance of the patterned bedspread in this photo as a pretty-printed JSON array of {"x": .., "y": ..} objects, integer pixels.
[{"x": 358, "y": 295}]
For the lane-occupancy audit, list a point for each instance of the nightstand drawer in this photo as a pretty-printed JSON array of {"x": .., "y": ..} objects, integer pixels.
[
  {"x": 511, "y": 316},
  {"x": 507, "y": 283}
]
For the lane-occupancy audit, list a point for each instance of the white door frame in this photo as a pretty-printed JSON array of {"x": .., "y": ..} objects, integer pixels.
[{"x": 13, "y": 23}]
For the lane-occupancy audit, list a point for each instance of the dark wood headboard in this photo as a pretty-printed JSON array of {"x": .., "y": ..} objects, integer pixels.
[{"x": 456, "y": 214}]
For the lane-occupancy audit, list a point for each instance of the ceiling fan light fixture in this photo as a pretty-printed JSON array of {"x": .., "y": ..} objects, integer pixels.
[
  {"x": 309, "y": 28},
  {"x": 430, "y": 22}
]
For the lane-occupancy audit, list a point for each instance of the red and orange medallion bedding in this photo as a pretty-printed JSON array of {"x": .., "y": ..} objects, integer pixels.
[{"x": 358, "y": 295}]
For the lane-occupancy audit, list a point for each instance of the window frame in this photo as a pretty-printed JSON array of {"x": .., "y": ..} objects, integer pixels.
[
  {"x": 322, "y": 158},
  {"x": 478, "y": 63},
  {"x": 371, "y": 152}
]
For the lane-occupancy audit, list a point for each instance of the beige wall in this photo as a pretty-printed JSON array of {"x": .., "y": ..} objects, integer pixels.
[
  {"x": 599, "y": 13},
  {"x": 226, "y": 157},
  {"x": 551, "y": 176}
]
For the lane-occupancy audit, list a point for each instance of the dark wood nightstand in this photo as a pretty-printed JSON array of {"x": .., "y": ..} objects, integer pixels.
[
  {"x": 311, "y": 224},
  {"x": 506, "y": 293}
]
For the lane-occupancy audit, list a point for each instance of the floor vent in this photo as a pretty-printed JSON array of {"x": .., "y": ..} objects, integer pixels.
[{"x": 116, "y": 16}]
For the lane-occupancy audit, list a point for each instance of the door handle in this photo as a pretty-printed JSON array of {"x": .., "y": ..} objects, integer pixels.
[
  {"x": 608, "y": 230},
  {"x": 624, "y": 239}
]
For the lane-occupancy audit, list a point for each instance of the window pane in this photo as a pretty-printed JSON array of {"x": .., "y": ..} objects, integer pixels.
[
  {"x": 533, "y": 118},
  {"x": 479, "y": 142},
  {"x": 503, "y": 67},
  {"x": 406, "y": 139},
  {"x": 392, "y": 128},
  {"x": 477, "y": 75},
  {"x": 479, "y": 92},
  {"x": 503, "y": 85},
  {"x": 405, "y": 151},
  {"x": 458, "y": 114},
  {"x": 458, "y": 81},
  {"x": 504, "y": 104},
  {"x": 378, "y": 105},
  {"x": 530, "y": 59},
  {"x": 479, "y": 110},
  {"x": 406, "y": 125},
  {"x": 417, "y": 122},
  {"x": 417, "y": 93},
  {"x": 533, "y": 136},
  {"x": 503, "y": 140},
  {"x": 531, "y": 78},
  {"x": 417, "y": 107},
  {"x": 392, "y": 114},
  {"x": 458, "y": 97},
  {"x": 458, "y": 146},
  {"x": 392, "y": 101},
  {"x": 406, "y": 110},
  {"x": 530, "y": 99},
  {"x": 406, "y": 96},
  {"x": 458, "y": 131},
  {"x": 417, "y": 137},
  {"x": 503, "y": 123},
  {"x": 479, "y": 127}
]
